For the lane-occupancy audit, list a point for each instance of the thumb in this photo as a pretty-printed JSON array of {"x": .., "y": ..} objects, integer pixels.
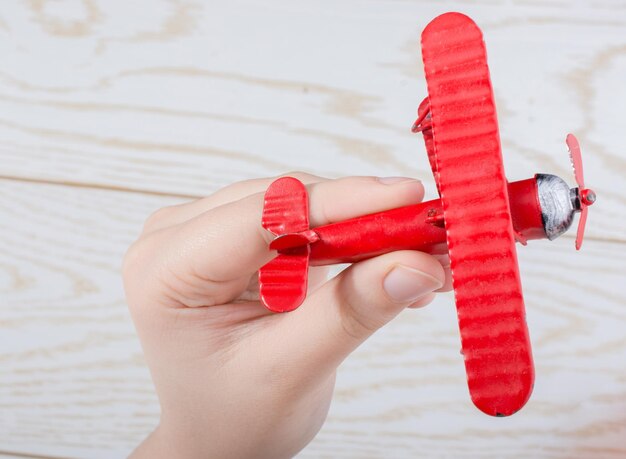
[{"x": 345, "y": 311}]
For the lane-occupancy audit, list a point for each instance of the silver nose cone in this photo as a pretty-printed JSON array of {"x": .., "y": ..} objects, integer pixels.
[{"x": 558, "y": 203}]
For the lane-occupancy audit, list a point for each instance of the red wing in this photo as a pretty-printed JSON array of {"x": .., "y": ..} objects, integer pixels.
[
  {"x": 479, "y": 229},
  {"x": 283, "y": 281},
  {"x": 286, "y": 207}
]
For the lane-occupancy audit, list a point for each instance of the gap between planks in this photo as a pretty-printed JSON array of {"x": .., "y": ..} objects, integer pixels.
[
  {"x": 29, "y": 455},
  {"x": 94, "y": 186}
]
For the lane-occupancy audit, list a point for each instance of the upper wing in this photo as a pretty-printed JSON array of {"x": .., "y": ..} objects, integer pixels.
[{"x": 481, "y": 242}]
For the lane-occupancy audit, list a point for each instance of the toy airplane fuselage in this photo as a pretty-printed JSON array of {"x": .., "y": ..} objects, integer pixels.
[
  {"x": 542, "y": 207},
  {"x": 476, "y": 221}
]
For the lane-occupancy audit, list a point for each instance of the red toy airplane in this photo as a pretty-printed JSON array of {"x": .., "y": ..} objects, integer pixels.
[{"x": 477, "y": 220}]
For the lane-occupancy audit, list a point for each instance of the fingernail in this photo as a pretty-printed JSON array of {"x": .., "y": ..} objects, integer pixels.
[
  {"x": 404, "y": 284},
  {"x": 395, "y": 180}
]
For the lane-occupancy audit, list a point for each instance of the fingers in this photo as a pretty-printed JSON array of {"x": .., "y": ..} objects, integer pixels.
[
  {"x": 177, "y": 214},
  {"x": 350, "y": 197},
  {"x": 344, "y": 312},
  {"x": 211, "y": 257}
]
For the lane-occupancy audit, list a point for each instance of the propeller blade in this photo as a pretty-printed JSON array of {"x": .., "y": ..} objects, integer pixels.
[
  {"x": 587, "y": 196},
  {"x": 577, "y": 160},
  {"x": 581, "y": 227}
]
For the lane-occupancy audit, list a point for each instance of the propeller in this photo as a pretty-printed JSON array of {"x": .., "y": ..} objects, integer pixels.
[{"x": 586, "y": 196}]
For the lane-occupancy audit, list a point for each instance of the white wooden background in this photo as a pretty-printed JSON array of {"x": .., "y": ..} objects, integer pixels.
[{"x": 111, "y": 109}]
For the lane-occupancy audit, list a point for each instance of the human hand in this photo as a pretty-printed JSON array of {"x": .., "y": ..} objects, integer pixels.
[{"x": 234, "y": 379}]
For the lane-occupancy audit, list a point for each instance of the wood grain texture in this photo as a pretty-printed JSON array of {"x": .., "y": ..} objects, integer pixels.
[
  {"x": 74, "y": 384},
  {"x": 185, "y": 98},
  {"x": 111, "y": 109}
]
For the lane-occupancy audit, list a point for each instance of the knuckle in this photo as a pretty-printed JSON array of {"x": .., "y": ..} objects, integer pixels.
[
  {"x": 131, "y": 260},
  {"x": 145, "y": 275},
  {"x": 156, "y": 219},
  {"x": 142, "y": 257},
  {"x": 132, "y": 264}
]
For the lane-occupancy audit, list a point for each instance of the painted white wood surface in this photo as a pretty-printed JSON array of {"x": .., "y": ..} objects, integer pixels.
[{"x": 111, "y": 109}]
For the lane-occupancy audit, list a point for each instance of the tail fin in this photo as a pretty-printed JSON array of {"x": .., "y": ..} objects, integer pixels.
[
  {"x": 424, "y": 124},
  {"x": 283, "y": 281}
]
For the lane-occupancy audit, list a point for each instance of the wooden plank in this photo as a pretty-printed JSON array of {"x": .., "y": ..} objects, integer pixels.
[
  {"x": 185, "y": 98},
  {"x": 73, "y": 382}
]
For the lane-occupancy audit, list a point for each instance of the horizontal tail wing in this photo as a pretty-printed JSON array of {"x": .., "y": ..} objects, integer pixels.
[{"x": 283, "y": 281}]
